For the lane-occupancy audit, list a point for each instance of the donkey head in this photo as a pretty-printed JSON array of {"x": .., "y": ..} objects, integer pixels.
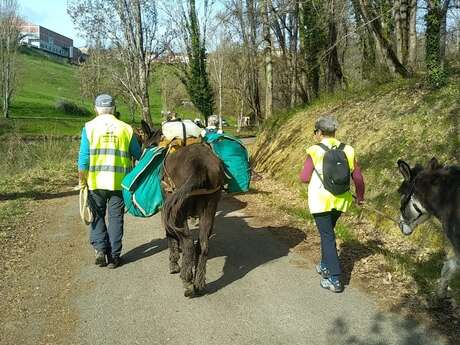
[
  {"x": 147, "y": 136},
  {"x": 419, "y": 185}
]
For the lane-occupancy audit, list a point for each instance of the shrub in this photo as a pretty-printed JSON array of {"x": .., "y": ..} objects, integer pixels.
[{"x": 71, "y": 108}]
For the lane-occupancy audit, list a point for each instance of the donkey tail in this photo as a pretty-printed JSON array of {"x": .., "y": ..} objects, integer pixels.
[{"x": 172, "y": 208}]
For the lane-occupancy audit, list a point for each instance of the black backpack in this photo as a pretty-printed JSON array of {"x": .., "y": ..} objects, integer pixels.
[{"x": 336, "y": 172}]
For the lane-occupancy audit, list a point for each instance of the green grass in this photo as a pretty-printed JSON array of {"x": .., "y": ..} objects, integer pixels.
[{"x": 42, "y": 81}]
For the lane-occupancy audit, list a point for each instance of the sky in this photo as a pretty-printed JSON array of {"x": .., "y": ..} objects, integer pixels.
[{"x": 52, "y": 14}]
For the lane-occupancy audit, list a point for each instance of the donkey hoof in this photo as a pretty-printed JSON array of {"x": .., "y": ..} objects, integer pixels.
[
  {"x": 189, "y": 292},
  {"x": 174, "y": 268},
  {"x": 200, "y": 291}
]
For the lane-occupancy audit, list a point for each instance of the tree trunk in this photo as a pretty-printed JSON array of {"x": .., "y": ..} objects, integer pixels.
[
  {"x": 367, "y": 44},
  {"x": 412, "y": 50},
  {"x": 405, "y": 30},
  {"x": 252, "y": 57},
  {"x": 398, "y": 29},
  {"x": 436, "y": 72},
  {"x": 312, "y": 39},
  {"x": 443, "y": 35},
  {"x": 334, "y": 73},
  {"x": 395, "y": 65},
  {"x": 294, "y": 17},
  {"x": 268, "y": 60}
]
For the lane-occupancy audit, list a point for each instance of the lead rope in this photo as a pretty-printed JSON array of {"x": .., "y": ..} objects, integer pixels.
[
  {"x": 85, "y": 211},
  {"x": 384, "y": 215}
]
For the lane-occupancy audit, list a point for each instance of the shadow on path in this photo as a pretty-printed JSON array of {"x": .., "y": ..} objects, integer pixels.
[
  {"x": 407, "y": 332},
  {"x": 245, "y": 247},
  {"x": 37, "y": 195},
  {"x": 145, "y": 250}
]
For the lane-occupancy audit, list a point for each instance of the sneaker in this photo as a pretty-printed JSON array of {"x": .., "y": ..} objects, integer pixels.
[
  {"x": 114, "y": 262},
  {"x": 100, "y": 259},
  {"x": 332, "y": 283},
  {"x": 322, "y": 270}
]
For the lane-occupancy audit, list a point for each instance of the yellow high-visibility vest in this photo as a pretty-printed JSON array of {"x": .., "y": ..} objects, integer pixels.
[
  {"x": 110, "y": 160},
  {"x": 319, "y": 199}
]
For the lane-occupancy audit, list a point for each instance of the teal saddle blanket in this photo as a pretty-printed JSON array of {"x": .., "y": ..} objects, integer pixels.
[
  {"x": 141, "y": 188},
  {"x": 235, "y": 158}
]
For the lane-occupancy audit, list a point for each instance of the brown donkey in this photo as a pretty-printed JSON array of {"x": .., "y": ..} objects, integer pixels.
[{"x": 193, "y": 177}]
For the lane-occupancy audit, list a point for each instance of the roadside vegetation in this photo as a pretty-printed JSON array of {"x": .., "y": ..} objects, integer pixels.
[{"x": 31, "y": 171}]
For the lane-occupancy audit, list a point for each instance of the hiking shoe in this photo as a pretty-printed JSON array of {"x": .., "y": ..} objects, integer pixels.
[
  {"x": 322, "y": 270},
  {"x": 332, "y": 283},
  {"x": 114, "y": 262},
  {"x": 100, "y": 259}
]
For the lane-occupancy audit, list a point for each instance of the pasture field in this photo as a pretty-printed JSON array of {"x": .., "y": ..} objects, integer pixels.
[{"x": 45, "y": 80}]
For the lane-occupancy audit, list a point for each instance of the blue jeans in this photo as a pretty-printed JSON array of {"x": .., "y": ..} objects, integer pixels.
[
  {"x": 326, "y": 222},
  {"x": 107, "y": 238}
]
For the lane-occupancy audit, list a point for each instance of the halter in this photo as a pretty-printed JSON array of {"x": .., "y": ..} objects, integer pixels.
[{"x": 415, "y": 203}]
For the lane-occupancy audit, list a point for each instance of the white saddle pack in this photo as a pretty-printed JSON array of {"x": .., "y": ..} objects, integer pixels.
[{"x": 175, "y": 129}]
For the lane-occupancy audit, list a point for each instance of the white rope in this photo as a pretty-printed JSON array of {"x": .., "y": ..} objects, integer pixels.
[{"x": 85, "y": 212}]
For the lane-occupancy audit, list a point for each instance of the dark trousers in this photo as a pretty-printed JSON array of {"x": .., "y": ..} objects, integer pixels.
[
  {"x": 107, "y": 238},
  {"x": 326, "y": 223}
]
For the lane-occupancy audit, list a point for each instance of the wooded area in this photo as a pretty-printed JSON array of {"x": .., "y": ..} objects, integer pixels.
[{"x": 254, "y": 58}]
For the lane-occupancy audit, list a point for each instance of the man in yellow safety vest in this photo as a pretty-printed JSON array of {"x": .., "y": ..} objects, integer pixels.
[{"x": 107, "y": 149}]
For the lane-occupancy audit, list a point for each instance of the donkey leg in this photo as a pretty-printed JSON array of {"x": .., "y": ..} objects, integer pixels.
[
  {"x": 451, "y": 265},
  {"x": 174, "y": 255},
  {"x": 186, "y": 272},
  {"x": 205, "y": 230},
  {"x": 188, "y": 259}
]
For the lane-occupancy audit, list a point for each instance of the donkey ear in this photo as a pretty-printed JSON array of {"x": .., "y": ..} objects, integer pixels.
[
  {"x": 146, "y": 128},
  {"x": 404, "y": 168},
  {"x": 433, "y": 164}
]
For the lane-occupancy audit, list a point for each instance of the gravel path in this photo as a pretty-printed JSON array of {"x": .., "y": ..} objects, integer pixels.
[{"x": 259, "y": 292}]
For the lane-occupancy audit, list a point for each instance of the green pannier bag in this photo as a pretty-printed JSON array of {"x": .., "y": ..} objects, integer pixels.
[
  {"x": 141, "y": 188},
  {"x": 235, "y": 158}
]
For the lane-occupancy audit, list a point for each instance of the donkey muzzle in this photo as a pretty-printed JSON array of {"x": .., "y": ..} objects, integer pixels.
[{"x": 405, "y": 228}]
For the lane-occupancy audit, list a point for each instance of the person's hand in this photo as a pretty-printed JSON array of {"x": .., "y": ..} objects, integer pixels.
[
  {"x": 82, "y": 179},
  {"x": 81, "y": 184}
]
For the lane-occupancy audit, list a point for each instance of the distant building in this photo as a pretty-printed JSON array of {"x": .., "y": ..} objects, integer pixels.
[{"x": 47, "y": 40}]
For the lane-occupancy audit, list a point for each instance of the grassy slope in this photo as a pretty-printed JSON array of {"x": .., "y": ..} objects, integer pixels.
[
  {"x": 397, "y": 120},
  {"x": 43, "y": 81}
]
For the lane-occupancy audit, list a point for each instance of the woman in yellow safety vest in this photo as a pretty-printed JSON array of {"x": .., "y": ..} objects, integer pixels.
[{"x": 325, "y": 205}]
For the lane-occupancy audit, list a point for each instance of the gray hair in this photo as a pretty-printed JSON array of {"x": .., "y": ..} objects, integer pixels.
[
  {"x": 327, "y": 124},
  {"x": 213, "y": 120},
  {"x": 105, "y": 110}
]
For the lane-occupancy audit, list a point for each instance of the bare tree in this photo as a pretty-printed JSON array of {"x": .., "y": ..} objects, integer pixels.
[
  {"x": 335, "y": 74},
  {"x": 268, "y": 59},
  {"x": 367, "y": 13},
  {"x": 9, "y": 45},
  {"x": 217, "y": 61},
  {"x": 412, "y": 53},
  {"x": 130, "y": 28},
  {"x": 443, "y": 43}
]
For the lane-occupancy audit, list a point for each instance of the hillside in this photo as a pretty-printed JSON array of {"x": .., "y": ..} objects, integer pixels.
[
  {"x": 383, "y": 124},
  {"x": 403, "y": 120},
  {"x": 43, "y": 81}
]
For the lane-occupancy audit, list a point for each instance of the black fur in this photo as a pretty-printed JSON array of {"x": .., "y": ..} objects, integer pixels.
[{"x": 437, "y": 188}]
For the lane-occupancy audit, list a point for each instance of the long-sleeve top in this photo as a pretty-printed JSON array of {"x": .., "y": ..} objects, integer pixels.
[
  {"x": 356, "y": 175},
  {"x": 83, "y": 157}
]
